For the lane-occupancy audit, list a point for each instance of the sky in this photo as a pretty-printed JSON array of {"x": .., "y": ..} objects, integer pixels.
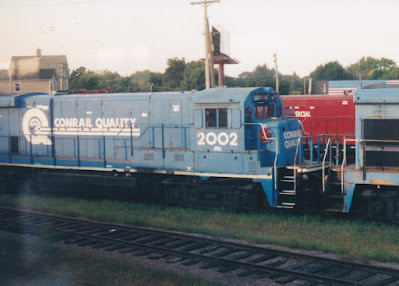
[{"x": 126, "y": 36}]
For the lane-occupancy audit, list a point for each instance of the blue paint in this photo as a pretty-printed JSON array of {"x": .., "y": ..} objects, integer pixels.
[{"x": 164, "y": 132}]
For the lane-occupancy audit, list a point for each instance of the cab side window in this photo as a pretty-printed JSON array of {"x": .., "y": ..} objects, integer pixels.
[
  {"x": 223, "y": 118},
  {"x": 210, "y": 117},
  {"x": 216, "y": 117},
  {"x": 270, "y": 110},
  {"x": 248, "y": 115}
]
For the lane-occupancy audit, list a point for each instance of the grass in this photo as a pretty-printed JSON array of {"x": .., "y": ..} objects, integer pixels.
[
  {"x": 33, "y": 262},
  {"x": 355, "y": 239}
]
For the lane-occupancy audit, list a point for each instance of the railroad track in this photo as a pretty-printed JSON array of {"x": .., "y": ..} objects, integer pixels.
[{"x": 243, "y": 260}]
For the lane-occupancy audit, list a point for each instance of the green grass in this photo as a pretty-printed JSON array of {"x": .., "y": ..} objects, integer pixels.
[
  {"x": 31, "y": 262},
  {"x": 355, "y": 239}
]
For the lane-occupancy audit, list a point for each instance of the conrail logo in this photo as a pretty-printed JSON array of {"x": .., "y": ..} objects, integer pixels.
[
  {"x": 291, "y": 138},
  {"x": 37, "y": 129}
]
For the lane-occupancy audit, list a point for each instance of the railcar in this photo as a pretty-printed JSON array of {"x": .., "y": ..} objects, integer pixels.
[
  {"x": 370, "y": 186},
  {"x": 332, "y": 115},
  {"x": 231, "y": 148},
  {"x": 323, "y": 117}
]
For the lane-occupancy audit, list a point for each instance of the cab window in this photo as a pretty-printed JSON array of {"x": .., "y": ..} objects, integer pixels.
[
  {"x": 216, "y": 117},
  {"x": 248, "y": 115},
  {"x": 223, "y": 118},
  {"x": 262, "y": 111},
  {"x": 270, "y": 110}
]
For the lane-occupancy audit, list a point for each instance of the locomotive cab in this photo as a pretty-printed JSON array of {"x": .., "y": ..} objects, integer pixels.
[{"x": 267, "y": 131}]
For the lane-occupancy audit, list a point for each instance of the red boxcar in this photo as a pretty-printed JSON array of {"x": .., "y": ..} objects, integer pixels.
[{"x": 333, "y": 115}]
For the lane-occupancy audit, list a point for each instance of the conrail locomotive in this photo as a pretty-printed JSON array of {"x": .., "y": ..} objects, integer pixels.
[{"x": 226, "y": 148}]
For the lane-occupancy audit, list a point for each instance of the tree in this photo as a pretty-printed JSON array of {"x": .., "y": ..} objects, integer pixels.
[
  {"x": 194, "y": 76},
  {"x": 230, "y": 81},
  {"x": 371, "y": 68},
  {"x": 331, "y": 71},
  {"x": 75, "y": 76},
  {"x": 291, "y": 84},
  {"x": 144, "y": 81},
  {"x": 173, "y": 75},
  {"x": 110, "y": 79},
  {"x": 261, "y": 76}
]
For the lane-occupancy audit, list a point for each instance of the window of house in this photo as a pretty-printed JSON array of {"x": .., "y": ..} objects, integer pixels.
[
  {"x": 216, "y": 117},
  {"x": 17, "y": 86}
]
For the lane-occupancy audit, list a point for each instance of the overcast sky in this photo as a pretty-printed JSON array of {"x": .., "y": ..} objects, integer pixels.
[{"x": 131, "y": 35}]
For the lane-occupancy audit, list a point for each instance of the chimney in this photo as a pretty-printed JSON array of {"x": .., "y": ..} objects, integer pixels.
[{"x": 38, "y": 53}]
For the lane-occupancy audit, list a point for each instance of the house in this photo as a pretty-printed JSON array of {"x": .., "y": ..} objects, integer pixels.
[{"x": 38, "y": 73}]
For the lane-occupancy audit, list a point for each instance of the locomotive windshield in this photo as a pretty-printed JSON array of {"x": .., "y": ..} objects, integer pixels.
[{"x": 264, "y": 110}]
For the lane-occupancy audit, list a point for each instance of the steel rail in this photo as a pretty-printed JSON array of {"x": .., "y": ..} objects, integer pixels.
[{"x": 76, "y": 232}]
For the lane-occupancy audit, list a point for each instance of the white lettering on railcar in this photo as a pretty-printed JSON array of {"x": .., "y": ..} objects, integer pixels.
[
  {"x": 302, "y": 114},
  {"x": 37, "y": 130}
]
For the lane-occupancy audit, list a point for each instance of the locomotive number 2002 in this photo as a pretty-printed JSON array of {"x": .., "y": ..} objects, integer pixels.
[{"x": 223, "y": 139}]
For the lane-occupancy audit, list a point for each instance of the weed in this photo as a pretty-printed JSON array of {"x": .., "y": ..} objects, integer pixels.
[{"x": 361, "y": 239}]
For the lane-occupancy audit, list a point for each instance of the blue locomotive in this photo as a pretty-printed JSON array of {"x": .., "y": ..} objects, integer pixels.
[
  {"x": 371, "y": 185},
  {"x": 225, "y": 148},
  {"x": 228, "y": 147}
]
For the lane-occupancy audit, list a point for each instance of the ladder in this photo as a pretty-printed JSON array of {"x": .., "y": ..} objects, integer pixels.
[
  {"x": 287, "y": 189},
  {"x": 333, "y": 197}
]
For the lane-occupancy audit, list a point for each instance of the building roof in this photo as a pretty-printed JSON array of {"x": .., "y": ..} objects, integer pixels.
[
  {"x": 38, "y": 67},
  {"x": 46, "y": 62}
]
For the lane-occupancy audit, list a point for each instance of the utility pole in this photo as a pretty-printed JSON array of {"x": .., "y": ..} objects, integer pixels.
[
  {"x": 210, "y": 47},
  {"x": 205, "y": 4},
  {"x": 276, "y": 75}
]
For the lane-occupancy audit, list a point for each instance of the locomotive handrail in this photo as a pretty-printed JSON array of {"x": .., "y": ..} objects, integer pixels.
[
  {"x": 296, "y": 154},
  {"x": 323, "y": 170},
  {"x": 260, "y": 125},
  {"x": 318, "y": 145},
  {"x": 102, "y": 139},
  {"x": 275, "y": 156},
  {"x": 296, "y": 151},
  {"x": 303, "y": 129},
  {"x": 300, "y": 143},
  {"x": 362, "y": 141}
]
